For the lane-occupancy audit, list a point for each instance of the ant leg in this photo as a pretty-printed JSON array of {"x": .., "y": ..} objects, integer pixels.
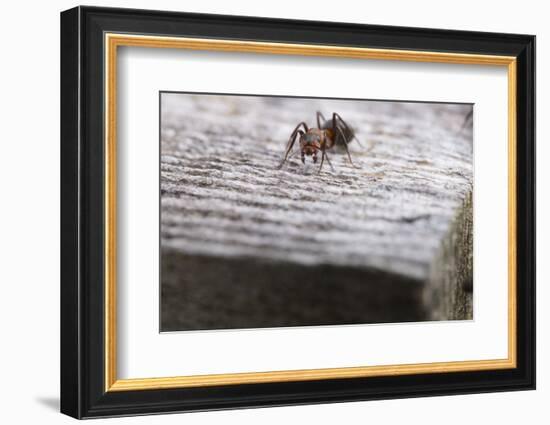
[
  {"x": 292, "y": 140},
  {"x": 322, "y": 160},
  {"x": 319, "y": 117},
  {"x": 346, "y": 148},
  {"x": 291, "y": 154},
  {"x": 290, "y": 144},
  {"x": 467, "y": 119},
  {"x": 346, "y": 126},
  {"x": 329, "y": 163},
  {"x": 336, "y": 128}
]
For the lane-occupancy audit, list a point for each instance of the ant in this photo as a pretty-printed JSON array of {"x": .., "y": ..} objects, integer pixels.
[{"x": 327, "y": 135}]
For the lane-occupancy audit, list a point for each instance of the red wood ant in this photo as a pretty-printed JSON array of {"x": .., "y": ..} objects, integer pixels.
[{"x": 328, "y": 134}]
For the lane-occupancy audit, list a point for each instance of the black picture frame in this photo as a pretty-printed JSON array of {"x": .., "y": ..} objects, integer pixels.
[{"x": 83, "y": 392}]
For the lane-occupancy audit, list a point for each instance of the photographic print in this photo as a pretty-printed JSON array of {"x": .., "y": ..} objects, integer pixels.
[
  {"x": 291, "y": 211},
  {"x": 320, "y": 232}
]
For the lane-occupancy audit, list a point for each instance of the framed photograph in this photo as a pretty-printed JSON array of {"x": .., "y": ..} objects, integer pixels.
[{"x": 261, "y": 212}]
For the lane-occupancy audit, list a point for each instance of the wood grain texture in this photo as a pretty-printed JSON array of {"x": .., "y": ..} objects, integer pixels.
[{"x": 244, "y": 244}]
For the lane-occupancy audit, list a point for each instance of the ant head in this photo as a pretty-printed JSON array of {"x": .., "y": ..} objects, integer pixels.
[
  {"x": 310, "y": 144},
  {"x": 311, "y": 141}
]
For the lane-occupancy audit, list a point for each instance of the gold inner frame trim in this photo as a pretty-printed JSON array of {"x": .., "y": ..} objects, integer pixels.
[{"x": 113, "y": 41}]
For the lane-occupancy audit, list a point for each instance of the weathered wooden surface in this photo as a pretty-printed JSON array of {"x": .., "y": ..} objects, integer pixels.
[{"x": 245, "y": 244}]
